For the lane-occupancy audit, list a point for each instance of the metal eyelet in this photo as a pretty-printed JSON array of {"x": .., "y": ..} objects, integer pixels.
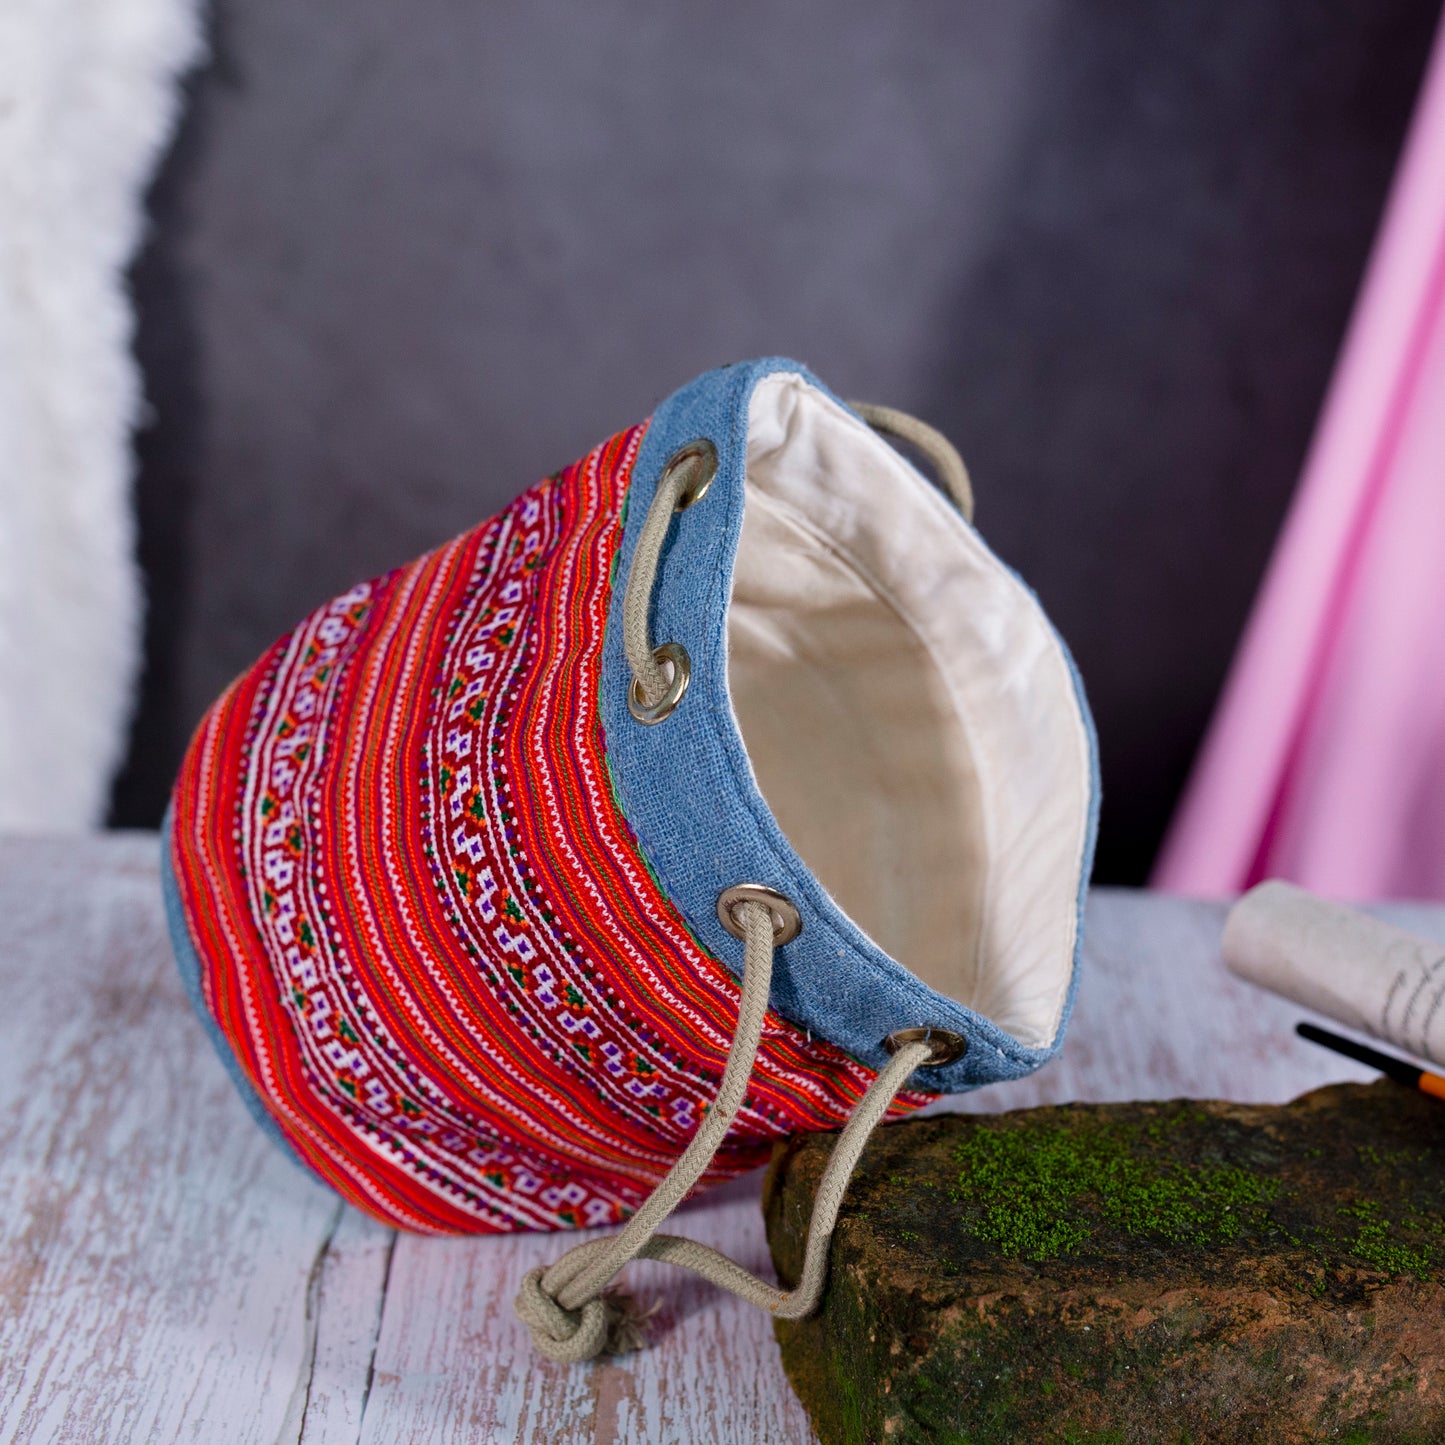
[
  {"x": 703, "y": 448},
  {"x": 654, "y": 712},
  {"x": 947, "y": 1046},
  {"x": 787, "y": 922}
]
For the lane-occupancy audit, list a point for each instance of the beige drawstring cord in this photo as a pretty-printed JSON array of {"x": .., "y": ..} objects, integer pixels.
[
  {"x": 930, "y": 441},
  {"x": 684, "y": 479},
  {"x": 564, "y": 1304},
  {"x": 674, "y": 484}
]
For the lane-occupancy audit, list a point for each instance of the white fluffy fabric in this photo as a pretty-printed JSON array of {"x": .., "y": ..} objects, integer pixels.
[{"x": 88, "y": 96}]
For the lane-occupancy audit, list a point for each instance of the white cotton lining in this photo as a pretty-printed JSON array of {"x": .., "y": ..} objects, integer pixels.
[{"x": 910, "y": 715}]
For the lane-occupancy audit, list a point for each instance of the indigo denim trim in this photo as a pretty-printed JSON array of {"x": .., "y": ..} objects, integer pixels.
[
  {"x": 687, "y": 788},
  {"x": 188, "y": 964},
  {"x": 1091, "y": 830}
]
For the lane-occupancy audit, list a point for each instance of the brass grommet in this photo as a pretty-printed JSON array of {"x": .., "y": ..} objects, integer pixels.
[
  {"x": 654, "y": 712},
  {"x": 947, "y": 1046},
  {"x": 787, "y": 922},
  {"x": 704, "y": 449}
]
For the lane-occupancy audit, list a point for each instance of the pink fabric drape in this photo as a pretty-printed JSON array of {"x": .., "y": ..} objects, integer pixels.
[{"x": 1325, "y": 762}]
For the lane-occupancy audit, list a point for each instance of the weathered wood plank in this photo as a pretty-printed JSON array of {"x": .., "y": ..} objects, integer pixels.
[
  {"x": 166, "y": 1275},
  {"x": 156, "y": 1249},
  {"x": 1158, "y": 1015},
  {"x": 348, "y": 1292},
  {"x": 454, "y": 1365}
]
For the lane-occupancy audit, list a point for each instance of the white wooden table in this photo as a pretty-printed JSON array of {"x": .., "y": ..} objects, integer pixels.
[{"x": 166, "y": 1275}]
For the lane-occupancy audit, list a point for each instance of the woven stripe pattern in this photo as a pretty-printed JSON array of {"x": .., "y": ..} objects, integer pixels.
[{"x": 425, "y": 929}]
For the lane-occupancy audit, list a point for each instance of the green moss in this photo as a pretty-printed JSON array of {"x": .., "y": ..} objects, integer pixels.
[
  {"x": 1388, "y": 1158},
  {"x": 1060, "y": 1183},
  {"x": 1373, "y": 1242},
  {"x": 1038, "y": 1190}
]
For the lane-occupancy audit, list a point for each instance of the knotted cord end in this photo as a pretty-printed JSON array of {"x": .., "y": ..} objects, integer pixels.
[
  {"x": 612, "y": 1324},
  {"x": 626, "y": 1322}
]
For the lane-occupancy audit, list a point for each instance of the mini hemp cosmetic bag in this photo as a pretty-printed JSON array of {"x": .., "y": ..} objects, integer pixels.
[{"x": 724, "y": 785}]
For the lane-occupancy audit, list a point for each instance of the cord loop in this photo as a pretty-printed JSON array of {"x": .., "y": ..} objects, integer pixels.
[
  {"x": 556, "y": 1302},
  {"x": 564, "y": 1305}
]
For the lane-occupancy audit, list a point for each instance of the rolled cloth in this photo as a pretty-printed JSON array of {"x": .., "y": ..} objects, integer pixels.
[{"x": 1342, "y": 963}]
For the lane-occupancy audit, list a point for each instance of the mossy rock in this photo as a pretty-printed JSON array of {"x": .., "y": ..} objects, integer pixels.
[{"x": 1174, "y": 1272}]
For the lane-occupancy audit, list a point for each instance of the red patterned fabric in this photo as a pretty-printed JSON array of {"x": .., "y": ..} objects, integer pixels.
[{"x": 424, "y": 926}]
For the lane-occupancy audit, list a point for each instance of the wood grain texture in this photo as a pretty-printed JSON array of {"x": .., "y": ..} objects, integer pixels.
[
  {"x": 1159, "y": 1016},
  {"x": 157, "y": 1249},
  {"x": 453, "y": 1364},
  {"x": 166, "y": 1275}
]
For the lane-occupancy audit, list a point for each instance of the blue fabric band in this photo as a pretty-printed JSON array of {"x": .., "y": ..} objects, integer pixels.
[
  {"x": 189, "y": 965},
  {"x": 687, "y": 790}
]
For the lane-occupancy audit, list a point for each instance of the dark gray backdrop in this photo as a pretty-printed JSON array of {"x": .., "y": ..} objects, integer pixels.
[{"x": 409, "y": 257}]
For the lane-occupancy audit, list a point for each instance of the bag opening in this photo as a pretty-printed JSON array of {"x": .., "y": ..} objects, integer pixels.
[{"x": 911, "y": 717}]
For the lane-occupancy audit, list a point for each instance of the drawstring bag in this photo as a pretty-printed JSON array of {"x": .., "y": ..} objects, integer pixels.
[{"x": 724, "y": 785}]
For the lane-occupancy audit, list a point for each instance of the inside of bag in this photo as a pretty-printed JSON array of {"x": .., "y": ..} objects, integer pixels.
[{"x": 910, "y": 715}]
